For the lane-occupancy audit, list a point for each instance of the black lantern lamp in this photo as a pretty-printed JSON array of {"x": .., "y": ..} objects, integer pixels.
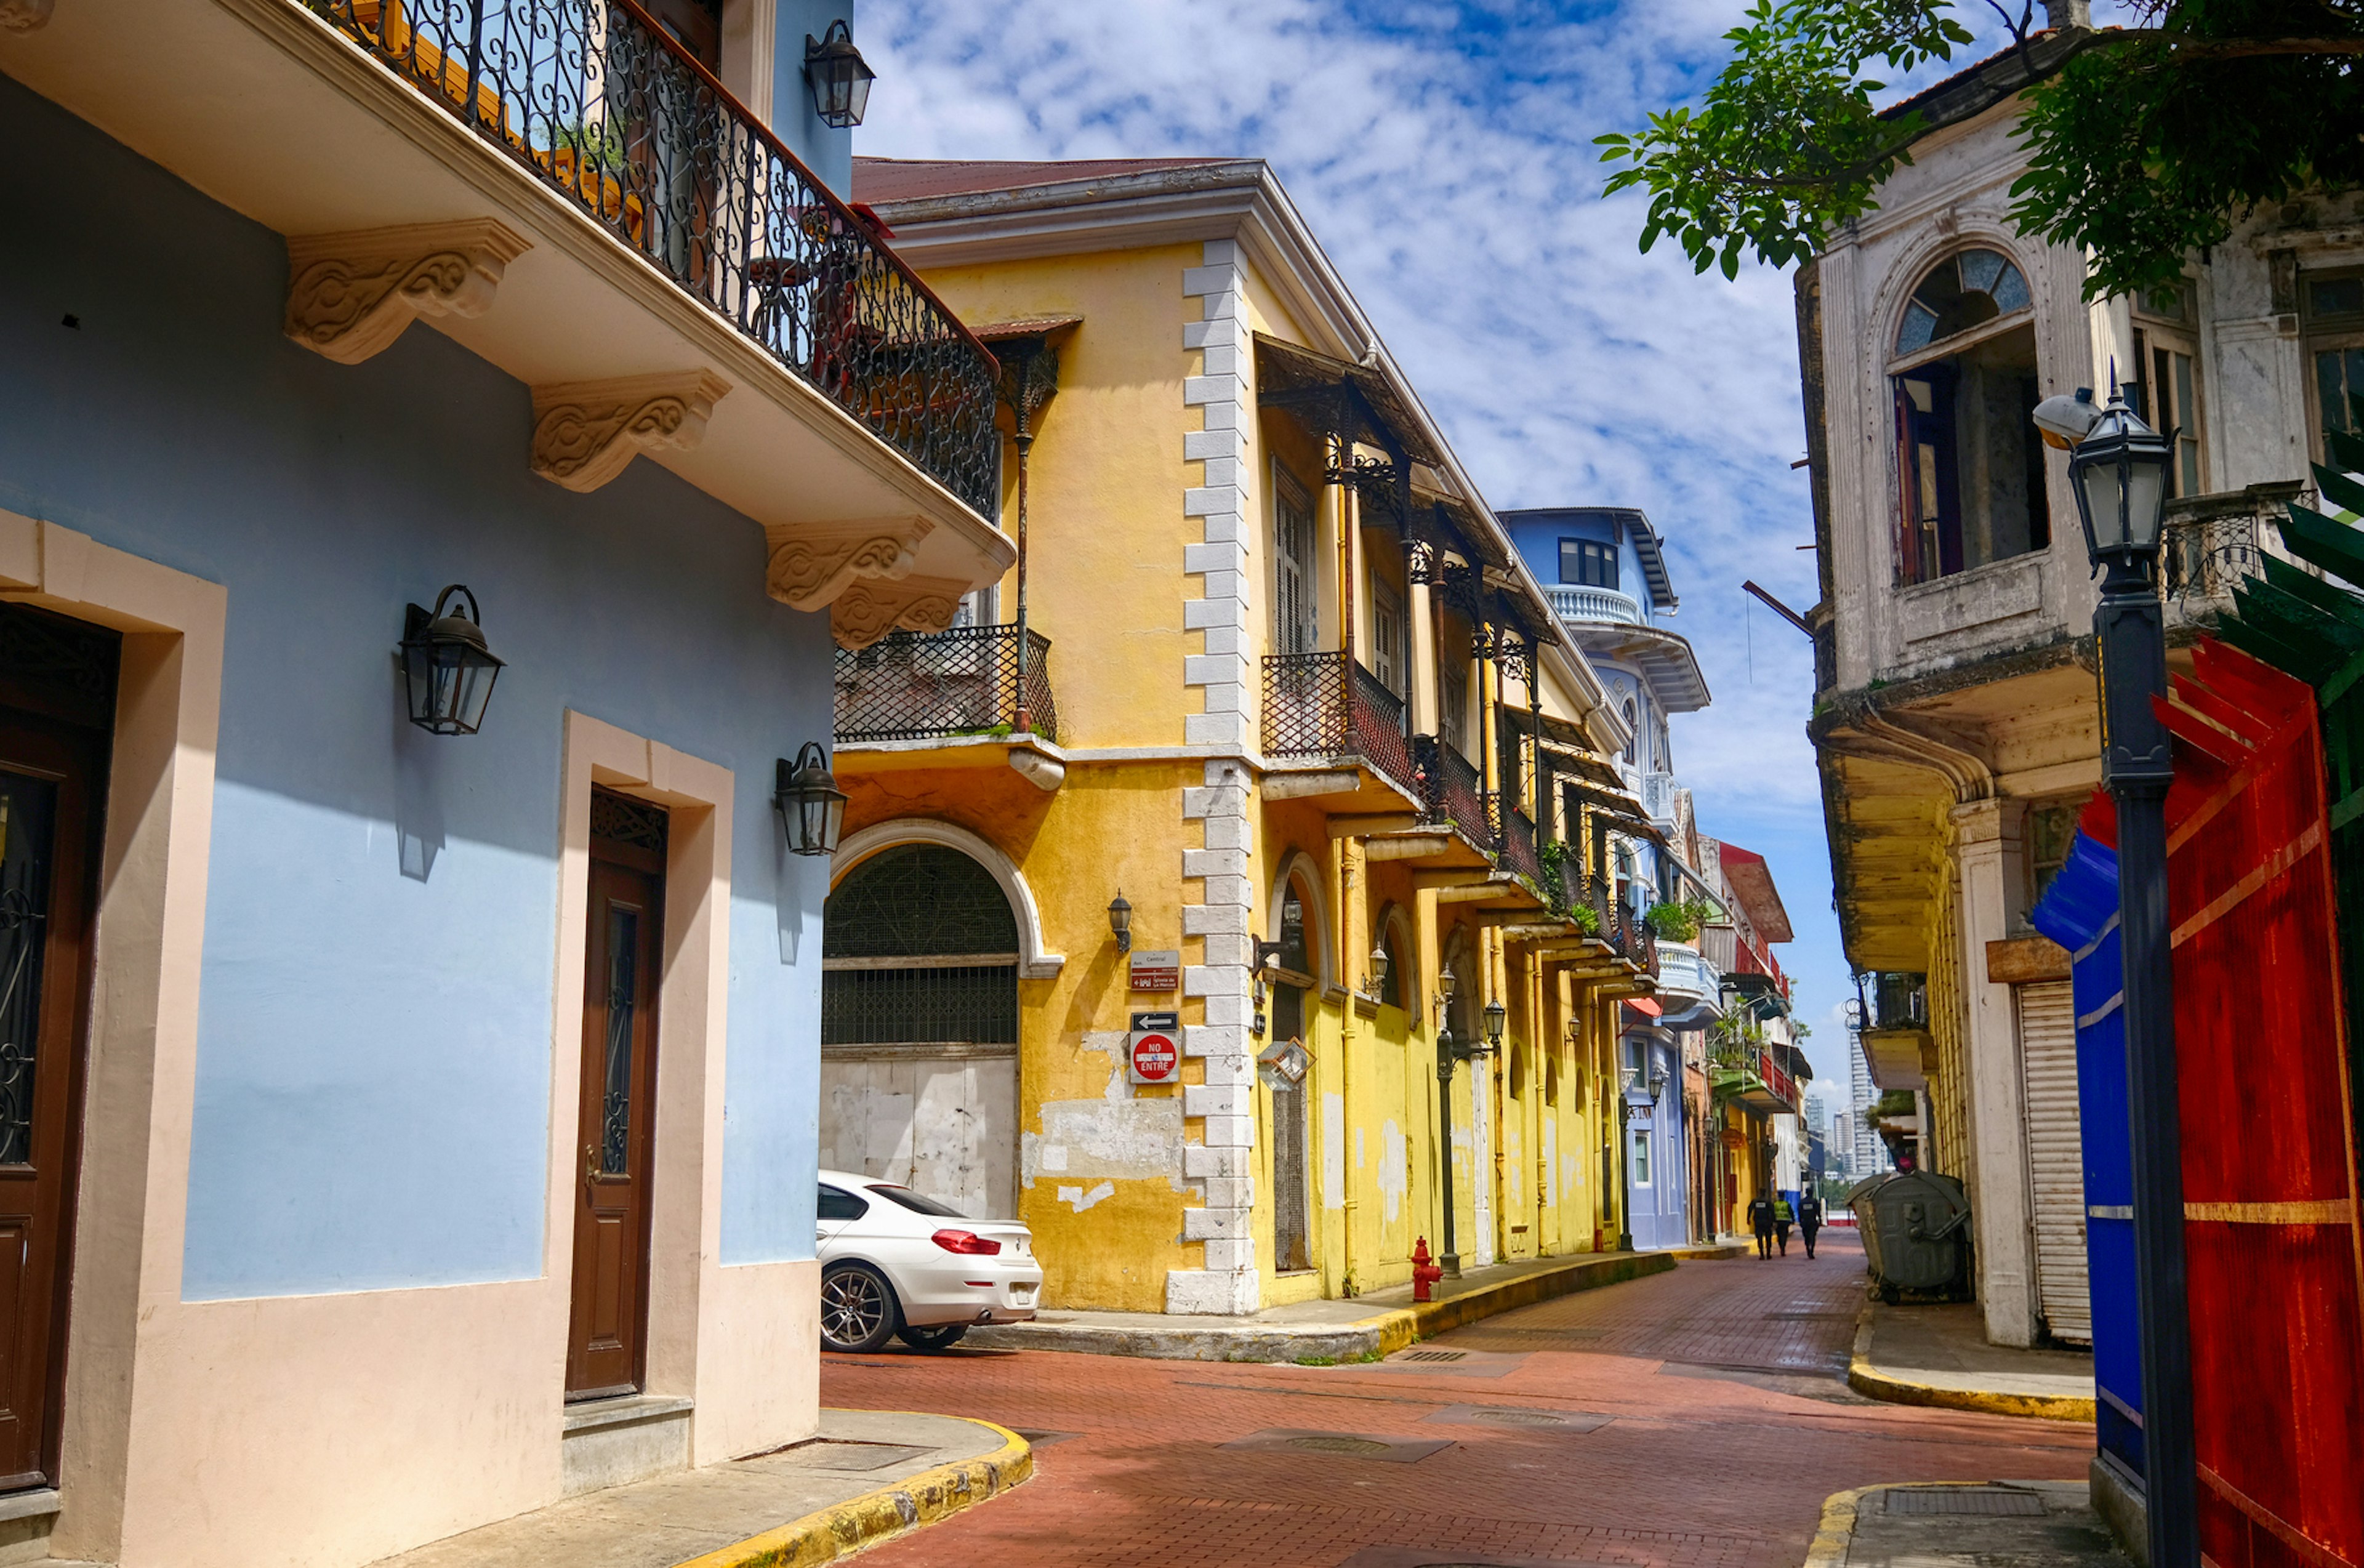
[
  {"x": 811, "y": 806},
  {"x": 1121, "y": 921},
  {"x": 446, "y": 667},
  {"x": 2120, "y": 472},
  {"x": 839, "y": 77},
  {"x": 1379, "y": 962},
  {"x": 1496, "y": 1017}
]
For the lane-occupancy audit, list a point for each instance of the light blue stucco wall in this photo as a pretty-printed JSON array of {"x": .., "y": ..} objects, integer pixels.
[
  {"x": 827, "y": 150},
  {"x": 374, "y": 1033}
]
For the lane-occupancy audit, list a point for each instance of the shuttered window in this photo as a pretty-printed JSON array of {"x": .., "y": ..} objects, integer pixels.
[{"x": 2047, "y": 1048}]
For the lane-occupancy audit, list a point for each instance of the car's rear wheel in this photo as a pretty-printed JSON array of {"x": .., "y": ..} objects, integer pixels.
[
  {"x": 857, "y": 1308},
  {"x": 942, "y": 1337}
]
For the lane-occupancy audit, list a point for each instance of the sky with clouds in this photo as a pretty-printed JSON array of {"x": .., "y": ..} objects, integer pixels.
[{"x": 1443, "y": 155}]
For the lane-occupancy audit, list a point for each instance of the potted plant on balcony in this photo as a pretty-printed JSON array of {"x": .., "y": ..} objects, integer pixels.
[{"x": 1678, "y": 919}]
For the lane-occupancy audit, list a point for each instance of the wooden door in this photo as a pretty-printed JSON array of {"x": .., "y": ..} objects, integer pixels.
[
  {"x": 607, "y": 1333},
  {"x": 48, "y": 778},
  {"x": 695, "y": 25}
]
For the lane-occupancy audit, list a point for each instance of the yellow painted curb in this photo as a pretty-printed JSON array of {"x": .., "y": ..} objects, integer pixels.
[
  {"x": 1835, "y": 1534},
  {"x": 847, "y": 1528},
  {"x": 1872, "y": 1382}
]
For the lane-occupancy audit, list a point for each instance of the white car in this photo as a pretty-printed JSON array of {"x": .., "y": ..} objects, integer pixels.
[{"x": 894, "y": 1261}]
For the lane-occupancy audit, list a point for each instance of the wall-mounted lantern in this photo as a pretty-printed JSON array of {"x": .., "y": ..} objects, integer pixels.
[
  {"x": 1496, "y": 1017},
  {"x": 1119, "y": 913},
  {"x": 1267, "y": 956},
  {"x": 811, "y": 806},
  {"x": 839, "y": 76},
  {"x": 1379, "y": 962},
  {"x": 446, "y": 667}
]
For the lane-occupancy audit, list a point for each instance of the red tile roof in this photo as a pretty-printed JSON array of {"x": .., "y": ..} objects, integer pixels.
[{"x": 884, "y": 180}]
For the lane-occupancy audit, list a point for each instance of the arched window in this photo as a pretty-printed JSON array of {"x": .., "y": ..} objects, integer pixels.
[
  {"x": 1632, "y": 728},
  {"x": 1969, "y": 469},
  {"x": 1960, "y": 293},
  {"x": 918, "y": 946}
]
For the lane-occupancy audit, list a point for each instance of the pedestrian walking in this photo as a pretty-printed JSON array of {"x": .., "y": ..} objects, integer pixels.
[
  {"x": 1760, "y": 1220},
  {"x": 1782, "y": 1221},
  {"x": 1810, "y": 1217}
]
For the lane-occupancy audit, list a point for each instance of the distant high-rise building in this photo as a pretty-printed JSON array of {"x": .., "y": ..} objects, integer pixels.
[{"x": 1867, "y": 1154}]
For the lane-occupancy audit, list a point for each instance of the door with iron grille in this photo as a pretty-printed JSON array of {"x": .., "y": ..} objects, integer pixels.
[
  {"x": 1292, "y": 1232},
  {"x": 920, "y": 1028},
  {"x": 607, "y": 1323},
  {"x": 57, "y": 704}
]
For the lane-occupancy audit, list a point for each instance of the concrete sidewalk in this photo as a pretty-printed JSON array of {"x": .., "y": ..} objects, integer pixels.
[
  {"x": 2028, "y": 1524},
  {"x": 1939, "y": 1355},
  {"x": 1363, "y": 1329},
  {"x": 870, "y": 1474}
]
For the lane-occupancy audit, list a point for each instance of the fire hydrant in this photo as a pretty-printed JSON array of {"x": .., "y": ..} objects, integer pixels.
[{"x": 1424, "y": 1272}]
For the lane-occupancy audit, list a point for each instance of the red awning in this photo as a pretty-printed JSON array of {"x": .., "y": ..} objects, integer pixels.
[{"x": 1643, "y": 1005}]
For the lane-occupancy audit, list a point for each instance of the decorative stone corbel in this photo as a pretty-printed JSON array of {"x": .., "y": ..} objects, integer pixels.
[
  {"x": 351, "y": 294},
  {"x": 810, "y": 567},
  {"x": 584, "y": 432},
  {"x": 23, "y": 15},
  {"x": 868, "y": 610}
]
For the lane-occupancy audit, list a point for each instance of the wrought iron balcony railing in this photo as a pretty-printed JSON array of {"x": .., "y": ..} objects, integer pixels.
[
  {"x": 1450, "y": 785},
  {"x": 1594, "y": 605},
  {"x": 1327, "y": 707},
  {"x": 1518, "y": 851},
  {"x": 597, "y": 102},
  {"x": 2210, "y": 542},
  {"x": 914, "y": 686}
]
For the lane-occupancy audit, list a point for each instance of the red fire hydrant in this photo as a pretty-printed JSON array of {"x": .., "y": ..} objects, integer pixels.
[{"x": 1424, "y": 1273}]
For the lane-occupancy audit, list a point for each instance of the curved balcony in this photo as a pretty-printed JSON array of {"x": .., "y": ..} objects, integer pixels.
[
  {"x": 1685, "y": 979},
  {"x": 1602, "y": 607}
]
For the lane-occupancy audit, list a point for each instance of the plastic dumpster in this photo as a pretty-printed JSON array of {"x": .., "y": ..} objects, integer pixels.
[{"x": 1914, "y": 1225}]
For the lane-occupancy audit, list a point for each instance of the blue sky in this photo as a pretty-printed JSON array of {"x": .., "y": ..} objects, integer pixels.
[{"x": 1443, "y": 153}]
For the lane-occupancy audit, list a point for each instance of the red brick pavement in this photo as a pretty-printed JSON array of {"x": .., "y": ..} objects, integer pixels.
[{"x": 1730, "y": 1424}]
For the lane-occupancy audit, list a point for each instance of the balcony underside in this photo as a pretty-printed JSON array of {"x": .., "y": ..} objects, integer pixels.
[
  {"x": 266, "y": 108},
  {"x": 1343, "y": 786}
]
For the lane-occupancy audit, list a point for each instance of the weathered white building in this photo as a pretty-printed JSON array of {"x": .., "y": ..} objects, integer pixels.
[{"x": 1955, "y": 712}]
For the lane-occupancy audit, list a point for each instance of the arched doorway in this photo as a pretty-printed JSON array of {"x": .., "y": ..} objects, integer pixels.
[{"x": 918, "y": 1030}]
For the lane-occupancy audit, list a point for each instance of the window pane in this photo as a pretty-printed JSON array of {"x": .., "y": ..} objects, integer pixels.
[
  {"x": 1980, "y": 270},
  {"x": 1571, "y": 560},
  {"x": 27, "y": 810},
  {"x": 2010, "y": 291},
  {"x": 2331, "y": 388},
  {"x": 836, "y": 1203},
  {"x": 918, "y": 1203},
  {"x": 2335, "y": 297},
  {"x": 1919, "y": 323}
]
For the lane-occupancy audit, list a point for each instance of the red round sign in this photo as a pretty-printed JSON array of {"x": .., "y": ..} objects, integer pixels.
[{"x": 1154, "y": 1057}]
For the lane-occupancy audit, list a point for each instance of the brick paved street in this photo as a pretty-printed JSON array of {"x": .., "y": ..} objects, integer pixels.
[{"x": 1727, "y": 1421}]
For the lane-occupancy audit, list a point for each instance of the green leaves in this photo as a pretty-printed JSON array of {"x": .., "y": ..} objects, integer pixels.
[{"x": 1787, "y": 145}]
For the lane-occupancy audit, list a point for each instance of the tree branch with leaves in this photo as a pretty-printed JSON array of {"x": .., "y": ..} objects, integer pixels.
[{"x": 2144, "y": 144}]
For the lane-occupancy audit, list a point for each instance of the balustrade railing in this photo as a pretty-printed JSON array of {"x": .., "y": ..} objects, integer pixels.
[
  {"x": 597, "y": 102},
  {"x": 915, "y": 686},
  {"x": 1597, "y": 605}
]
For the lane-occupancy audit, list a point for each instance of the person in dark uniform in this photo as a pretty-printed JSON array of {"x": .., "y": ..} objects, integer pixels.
[
  {"x": 1760, "y": 1221},
  {"x": 1810, "y": 1217}
]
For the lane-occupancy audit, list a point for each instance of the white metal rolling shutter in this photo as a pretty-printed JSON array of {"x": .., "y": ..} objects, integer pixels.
[{"x": 2048, "y": 1047}]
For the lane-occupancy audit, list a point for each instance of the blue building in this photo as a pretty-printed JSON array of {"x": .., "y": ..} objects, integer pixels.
[
  {"x": 421, "y": 1127},
  {"x": 1606, "y": 577}
]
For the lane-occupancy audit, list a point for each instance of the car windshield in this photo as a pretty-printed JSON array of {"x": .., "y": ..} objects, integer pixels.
[{"x": 918, "y": 1203}]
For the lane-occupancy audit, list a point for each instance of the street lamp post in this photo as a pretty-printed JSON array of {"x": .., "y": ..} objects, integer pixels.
[
  {"x": 2118, "y": 467},
  {"x": 1447, "y": 1053}
]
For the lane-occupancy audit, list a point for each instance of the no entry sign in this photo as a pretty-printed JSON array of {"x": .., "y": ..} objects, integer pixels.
[{"x": 1154, "y": 1050}]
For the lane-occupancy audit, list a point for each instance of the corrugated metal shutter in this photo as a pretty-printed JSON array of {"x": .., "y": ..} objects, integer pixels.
[{"x": 2047, "y": 1047}]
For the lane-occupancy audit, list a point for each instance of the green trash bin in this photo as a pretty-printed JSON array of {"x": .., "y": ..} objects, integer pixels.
[{"x": 1914, "y": 1226}]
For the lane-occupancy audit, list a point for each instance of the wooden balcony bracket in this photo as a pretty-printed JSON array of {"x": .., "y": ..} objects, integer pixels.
[
  {"x": 349, "y": 295},
  {"x": 584, "y": 432}
]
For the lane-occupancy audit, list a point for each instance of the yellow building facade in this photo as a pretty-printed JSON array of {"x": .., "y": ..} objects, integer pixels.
[{"x": 1287, "y": 709}]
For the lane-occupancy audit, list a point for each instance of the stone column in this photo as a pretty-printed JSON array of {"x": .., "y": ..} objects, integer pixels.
[{"x": 1994, "y": 889}]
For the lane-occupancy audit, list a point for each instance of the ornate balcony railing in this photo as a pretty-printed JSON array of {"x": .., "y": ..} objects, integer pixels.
[
  {"x": 914, "y": 686},
  {"x": 2211, "y": 542},
  {"x": 1594, "y": 605},
  {"x": 1517, "y": 851},
  {"x": 1327, "y": 706},
  {"x": 1450, "y": 785},
  {"x": 1683, "y": 971},
  {"x": 598, "y": 103}
]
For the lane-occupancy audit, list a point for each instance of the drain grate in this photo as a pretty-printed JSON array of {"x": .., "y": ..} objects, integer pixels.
[
  {"x": 1343, "y": 1445},
  {"x": 1524, "y": 1417},
  {"x": 1810, "y": 1317},
  {"x": 1325, "y": 1442},
  {"x": 1434, "y": 1356},
  {"x": 1966, "y": 1500}
]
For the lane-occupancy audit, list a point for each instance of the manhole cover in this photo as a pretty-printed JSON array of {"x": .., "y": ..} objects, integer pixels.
[
  {"x": 1966, "y": 1500},
  {"x": 1327, "y": 1444},
  {"x": 1569, "y": 1421},
  {"x": 1343, "y": 1445},
  {"x": 1434, "y": 1356}
]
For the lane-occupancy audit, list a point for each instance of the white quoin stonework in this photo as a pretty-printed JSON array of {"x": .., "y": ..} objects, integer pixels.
[{"x": 1221, "y": 1166}]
